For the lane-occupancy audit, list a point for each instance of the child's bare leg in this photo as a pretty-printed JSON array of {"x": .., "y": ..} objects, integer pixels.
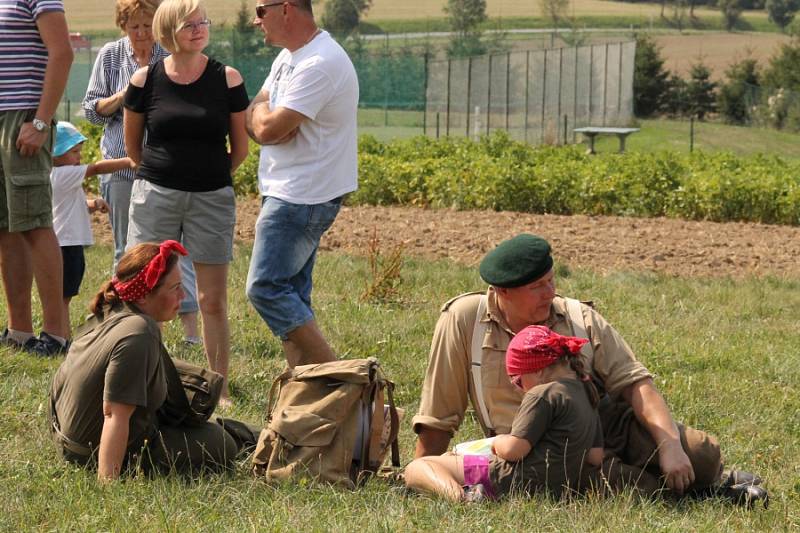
[
  {"x": 439, "y": 474},
  {"x": 65, "y": 314}
]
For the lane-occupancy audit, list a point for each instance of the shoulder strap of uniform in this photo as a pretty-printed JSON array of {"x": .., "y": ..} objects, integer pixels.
[
  {"x": 578, "y": 325},
  {"x": 478, "y": 334}
]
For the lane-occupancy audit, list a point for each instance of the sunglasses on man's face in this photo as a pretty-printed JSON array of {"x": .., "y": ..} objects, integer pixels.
[{"x": 261, "y": 9}]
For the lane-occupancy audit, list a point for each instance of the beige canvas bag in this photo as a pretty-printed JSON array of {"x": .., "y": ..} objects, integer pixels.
[{"x": 331, "y": 422}]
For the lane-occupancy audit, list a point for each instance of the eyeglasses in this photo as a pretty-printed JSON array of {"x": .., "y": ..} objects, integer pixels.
[
  {"x": 261, "y": 9},
  {"x": 195, "y": 26}
]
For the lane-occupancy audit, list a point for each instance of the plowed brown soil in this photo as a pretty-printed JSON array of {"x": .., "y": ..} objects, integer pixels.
[{"x": 674, "y": 247}]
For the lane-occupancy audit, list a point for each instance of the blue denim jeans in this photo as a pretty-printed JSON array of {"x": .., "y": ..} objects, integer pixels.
[
  {"x": 285, "y": 247},
  {"x": 117, "y": 194}
]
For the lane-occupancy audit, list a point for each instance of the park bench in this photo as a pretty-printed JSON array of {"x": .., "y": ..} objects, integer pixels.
[{"x": 590, "y": 132}]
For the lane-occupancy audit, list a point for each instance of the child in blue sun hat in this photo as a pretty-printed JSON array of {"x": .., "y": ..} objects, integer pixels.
[{"x": 71, "y": 208}]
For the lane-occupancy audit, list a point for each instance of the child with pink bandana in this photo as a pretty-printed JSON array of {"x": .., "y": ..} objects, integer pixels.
[{"x": 555, "y": 443}]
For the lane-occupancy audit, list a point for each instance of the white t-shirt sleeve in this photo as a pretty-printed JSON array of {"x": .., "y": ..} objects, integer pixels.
[
  {"x": 67, "y": 178},
  {"x": 308, "y": 92}
]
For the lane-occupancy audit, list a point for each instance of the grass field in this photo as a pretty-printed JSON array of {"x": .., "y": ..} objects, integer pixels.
[
  {"x": 86, "y": 15},
  {"x": 723, "y": 352},
  {"x": 658, "y": 135},
  {"x": 655, "y": 135}
]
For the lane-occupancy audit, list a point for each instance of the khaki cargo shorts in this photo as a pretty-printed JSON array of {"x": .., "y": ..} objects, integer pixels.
[{"x": 25, "y": 193}]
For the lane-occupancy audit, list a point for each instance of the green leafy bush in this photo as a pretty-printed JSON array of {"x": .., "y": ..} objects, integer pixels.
[{"x": 501, "y": 174}]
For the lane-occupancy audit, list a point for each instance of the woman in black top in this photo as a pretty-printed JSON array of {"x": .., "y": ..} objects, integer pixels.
[{"x": 192, "y": 108}]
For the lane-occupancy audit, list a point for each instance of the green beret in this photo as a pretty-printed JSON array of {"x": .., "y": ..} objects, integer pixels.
[{"x": 517, "y": 261}]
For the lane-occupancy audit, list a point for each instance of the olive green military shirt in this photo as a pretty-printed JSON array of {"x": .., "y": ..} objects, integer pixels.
[
  {"x": 559, "y": 421},
  {"x": 118, "y": 360}
]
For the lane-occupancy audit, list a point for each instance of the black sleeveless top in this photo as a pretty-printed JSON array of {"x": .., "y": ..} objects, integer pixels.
[{"x": 187, "y": 128}]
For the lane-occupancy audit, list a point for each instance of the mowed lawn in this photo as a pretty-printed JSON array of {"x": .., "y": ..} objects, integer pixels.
[
  {"x": 674, "y": 135},
  {"x": 85, "y": 15},
  {"x": 724, "y": 353}
]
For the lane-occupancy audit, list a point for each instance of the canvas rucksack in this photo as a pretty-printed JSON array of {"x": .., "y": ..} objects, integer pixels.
[{"x": 332, "y": 422}]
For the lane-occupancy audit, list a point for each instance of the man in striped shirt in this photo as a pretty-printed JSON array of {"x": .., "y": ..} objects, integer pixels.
[{"x": 35, "y": 57}]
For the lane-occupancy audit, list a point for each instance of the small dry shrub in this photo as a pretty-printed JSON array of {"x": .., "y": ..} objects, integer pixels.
[{"x": 383, "y": 285}]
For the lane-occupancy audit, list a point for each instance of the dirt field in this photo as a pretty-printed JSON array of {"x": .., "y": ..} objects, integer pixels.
[
  {"x": 605, "y": 244},
  {"x": 717, "y": 50}
]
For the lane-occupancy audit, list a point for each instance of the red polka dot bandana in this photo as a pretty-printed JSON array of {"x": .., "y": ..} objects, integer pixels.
[
  {"x": 140, "y": 286},
  {"x": 537, "y": 347}
]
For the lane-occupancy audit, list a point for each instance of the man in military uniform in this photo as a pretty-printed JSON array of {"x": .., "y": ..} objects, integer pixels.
[{"x": 467, "y": 363}]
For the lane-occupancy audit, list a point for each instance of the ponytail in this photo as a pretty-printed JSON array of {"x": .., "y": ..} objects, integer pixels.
[
  {"x": 106, "y": 297},
  {"x": 576, "y": 364}
]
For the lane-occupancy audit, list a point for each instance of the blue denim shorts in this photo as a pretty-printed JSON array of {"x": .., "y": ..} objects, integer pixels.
[{"x": 284, "y": 251}]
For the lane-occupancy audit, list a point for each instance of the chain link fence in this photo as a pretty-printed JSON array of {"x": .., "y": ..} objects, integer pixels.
[
  {"x": 391, "y": 79},
  {"x": 538, "y": 96}
]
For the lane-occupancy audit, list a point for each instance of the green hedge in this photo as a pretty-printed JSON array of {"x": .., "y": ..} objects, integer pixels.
[{"x": 501, "y": 174}]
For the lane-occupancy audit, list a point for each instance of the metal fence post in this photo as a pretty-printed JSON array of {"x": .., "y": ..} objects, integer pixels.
[
  {"x": 560, "y": 75},
  {"x": 619, "y": 82},
  {"x": 489, "y": 96},
  {"x": 447, "y": 118},
  {"x": 386, "y": 83},
  {"x": 469, "y": 91},
  {"x": 425, "y": 106},
  {"x": 691, "y": 134},
  {"x": 575, "y": 95},
  {"x": 591, "y": 82},
  {"x": 527, "y": 90},
  {"x": 508, "y": 87},
  {"x": 544, "y": 97},
  {"x": 605, "y": 85}
]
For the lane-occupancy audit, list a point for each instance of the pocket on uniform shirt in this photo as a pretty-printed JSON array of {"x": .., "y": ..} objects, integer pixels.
[{"x": 494, "y": 369}]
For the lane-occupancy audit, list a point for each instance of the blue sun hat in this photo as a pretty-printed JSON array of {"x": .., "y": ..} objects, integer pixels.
[{"x": 67, "y": 137}]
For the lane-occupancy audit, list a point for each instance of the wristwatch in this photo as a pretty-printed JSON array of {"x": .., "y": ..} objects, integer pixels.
[{"x": 40, "y": 125}]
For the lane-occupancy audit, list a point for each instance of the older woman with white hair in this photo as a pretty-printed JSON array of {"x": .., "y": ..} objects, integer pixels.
[{"x": 192, "y": 108}]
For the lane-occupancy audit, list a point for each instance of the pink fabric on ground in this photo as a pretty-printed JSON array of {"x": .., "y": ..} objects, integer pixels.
[{"x": 476, "y": 471}]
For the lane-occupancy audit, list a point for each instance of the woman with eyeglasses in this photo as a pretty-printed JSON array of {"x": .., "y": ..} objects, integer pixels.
[
  {"x": 192, "y": 108},
  {"x": 115, "y": 64}
]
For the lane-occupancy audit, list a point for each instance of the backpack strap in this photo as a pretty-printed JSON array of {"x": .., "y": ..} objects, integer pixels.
[
  {"x": 478, "y": 334},
  {"x": 274, "y": 390},
  {"x": 395, "y": 430},
  {"x": 376, "y": 429},
  {"x": 578, "y": 325}
]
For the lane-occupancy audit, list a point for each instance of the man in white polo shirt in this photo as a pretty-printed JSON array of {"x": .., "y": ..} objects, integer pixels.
[
  {"x": 305, "y": 119},
  {"x": 35, "y": 57}
]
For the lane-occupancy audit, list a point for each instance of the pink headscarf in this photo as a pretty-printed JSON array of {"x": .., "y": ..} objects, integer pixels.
[{"x": 537, "y": 347}]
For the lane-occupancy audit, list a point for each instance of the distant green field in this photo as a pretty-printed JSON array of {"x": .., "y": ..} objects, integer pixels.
[
  {"x": 658, "y": 135},
  {"x": 96, "y": 15},
  {"x": 655, "y": 135}
]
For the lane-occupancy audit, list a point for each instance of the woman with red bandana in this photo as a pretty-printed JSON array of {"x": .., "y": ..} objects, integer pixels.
[
  {"x": 107, "y": 395},
  {"x": 555, "y": 443}
]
